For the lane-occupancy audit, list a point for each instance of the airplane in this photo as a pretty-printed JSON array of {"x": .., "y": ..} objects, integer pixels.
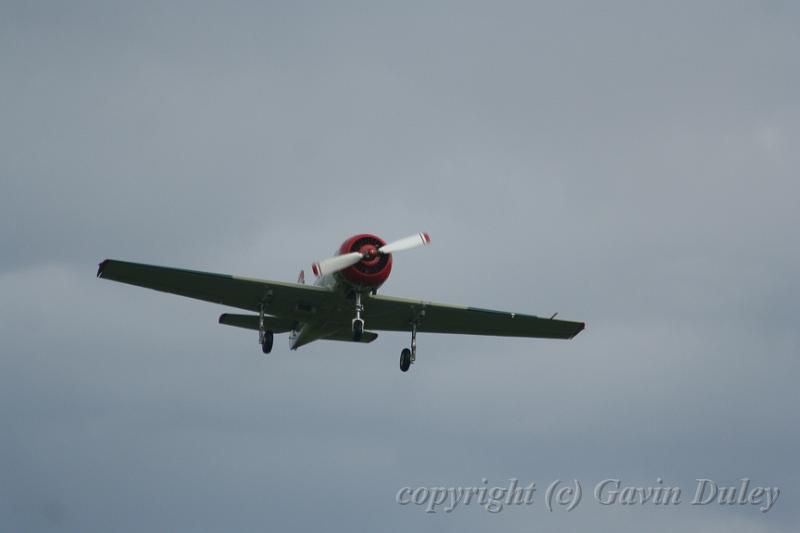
[{"x": 335, "y": 306}]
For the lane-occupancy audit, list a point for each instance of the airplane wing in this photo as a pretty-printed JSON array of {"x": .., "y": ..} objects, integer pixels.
[
  {"x": 313, "y": 304},
  {"x": 287, "y": 300},
  {"x": 396, "y": 314}
]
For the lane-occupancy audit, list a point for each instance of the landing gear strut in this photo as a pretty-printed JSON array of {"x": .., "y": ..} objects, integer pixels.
[
  {"x": 265, "y": 337},
  {"x": 358, "y": 322},
  {"x": 407, "y": 357}
]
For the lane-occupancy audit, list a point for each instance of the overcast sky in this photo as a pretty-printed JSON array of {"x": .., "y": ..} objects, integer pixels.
[{"x": 632, "y": 164}]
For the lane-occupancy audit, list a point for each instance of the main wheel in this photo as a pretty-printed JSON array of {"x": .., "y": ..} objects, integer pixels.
[
  {"x": 266, "y": 346},
  {"x": 405, "y": 359},
  {"x": 358, "y": 330}
]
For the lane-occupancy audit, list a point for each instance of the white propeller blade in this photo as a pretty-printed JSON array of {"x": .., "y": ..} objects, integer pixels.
[
  {"x": 340, "y": 262},
  {"x": 336, "y": 263},
  {"x": 408, "y": 243}
]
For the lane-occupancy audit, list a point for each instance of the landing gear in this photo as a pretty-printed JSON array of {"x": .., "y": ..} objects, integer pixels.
[
  {"x": 405, "y": 360},
  {"x": 407, "y": 357},
  {"x": 265, "y": 337},
  {"x": 358, "y": 322},
  {"x": 358, "y": 329},
  {"x": 266, "y": 342}
]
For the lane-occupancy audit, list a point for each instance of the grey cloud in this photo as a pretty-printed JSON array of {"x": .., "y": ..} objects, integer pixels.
[{"x": 625, "y": 164}]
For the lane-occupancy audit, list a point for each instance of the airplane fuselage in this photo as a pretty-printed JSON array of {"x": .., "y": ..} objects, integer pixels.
[{"x": 363, "y": 277}]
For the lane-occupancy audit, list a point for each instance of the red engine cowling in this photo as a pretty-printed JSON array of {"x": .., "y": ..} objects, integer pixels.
[{"x": 372, "y": 271}]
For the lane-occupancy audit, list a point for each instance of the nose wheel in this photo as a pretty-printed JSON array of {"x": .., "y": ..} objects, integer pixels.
[
  {"x": 358, "y": 322},
  {"x": 407, "y": 357},
  {"x": 358, "y": 329}
]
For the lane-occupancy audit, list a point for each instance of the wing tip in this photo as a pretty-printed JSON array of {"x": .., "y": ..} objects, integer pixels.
[
  {"x": 102, "y": 267},
  {"x": 581, "y": 326}
]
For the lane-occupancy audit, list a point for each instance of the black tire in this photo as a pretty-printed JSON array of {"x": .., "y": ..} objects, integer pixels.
[
  {"x": 405, "y": 360},
  {"x": 266, "y": 346},
  {"x": 358, "y": 330}
]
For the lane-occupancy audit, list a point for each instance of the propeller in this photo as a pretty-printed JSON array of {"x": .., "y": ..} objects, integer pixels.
[{"x": 340, "y": 262}]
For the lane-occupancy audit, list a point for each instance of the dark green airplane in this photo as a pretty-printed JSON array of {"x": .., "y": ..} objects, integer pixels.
[{"x": 334, "y": 307}]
